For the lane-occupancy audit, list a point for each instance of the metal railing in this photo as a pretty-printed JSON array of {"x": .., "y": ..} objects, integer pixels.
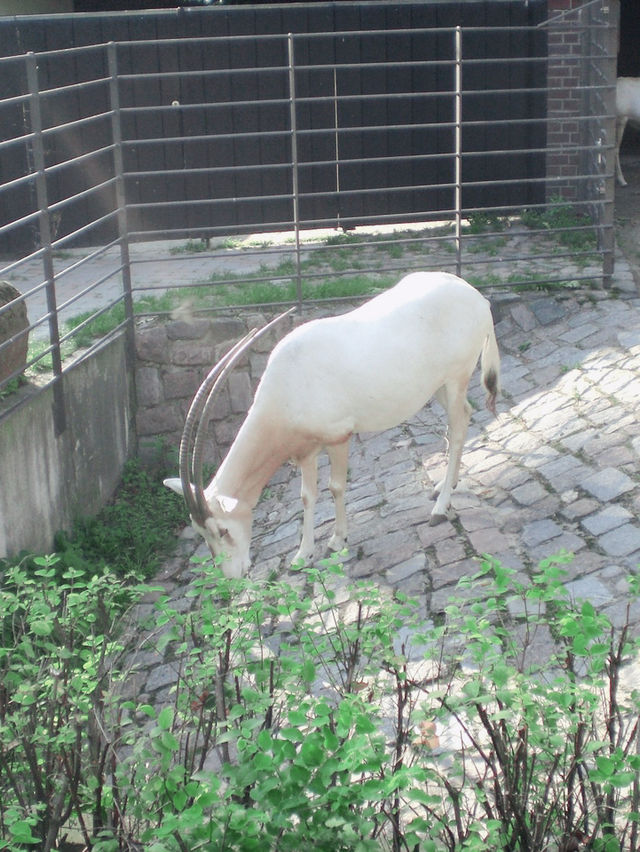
[{"x": 309, "y": 155}]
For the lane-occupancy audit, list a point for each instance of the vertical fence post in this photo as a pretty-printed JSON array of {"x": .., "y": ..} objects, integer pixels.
[
  {"x": 294, "y": 165},
  {"x": 121, "y": 203},
  {"x": 458, "y": 147},
  {"x": 611, "y": 14},
  {"x": 44, "y": 225},
  {"x": 336, "y": 140}
]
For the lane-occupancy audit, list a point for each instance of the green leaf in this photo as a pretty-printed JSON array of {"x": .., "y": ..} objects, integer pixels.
[
  {"x": 311, "y": 752},
  {"x": 165, "y": 718},
  {"x": 21, "y": 832},
  {"x": 364, "y": 724},
  {"x": 297, "y": 718},
  {"x": 605, "y": 765},
  {"x": 262, "y": 761},
  {"x": 308, "y": 671}
]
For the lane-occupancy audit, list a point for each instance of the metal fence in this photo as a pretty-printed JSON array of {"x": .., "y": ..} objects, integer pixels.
[{"x": 344, "y": 156}]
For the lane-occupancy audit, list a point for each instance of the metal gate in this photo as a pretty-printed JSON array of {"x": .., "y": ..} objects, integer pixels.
[{"x": 486, "y": 150}]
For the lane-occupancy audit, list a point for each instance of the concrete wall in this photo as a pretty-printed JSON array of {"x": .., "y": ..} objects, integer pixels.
[{"x": 48, "y": 481}]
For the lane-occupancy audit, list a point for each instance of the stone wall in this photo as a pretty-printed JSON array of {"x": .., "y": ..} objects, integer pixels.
[{"x": 172, "y": 360}]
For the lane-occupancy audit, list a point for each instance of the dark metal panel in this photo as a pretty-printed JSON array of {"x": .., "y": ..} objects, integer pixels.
[{"x": 383, "y": 143}]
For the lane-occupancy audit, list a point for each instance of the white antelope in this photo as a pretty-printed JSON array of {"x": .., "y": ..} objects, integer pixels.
[
  {"x": 627, "y": 109},
  {"x": 366, "y": 370}
]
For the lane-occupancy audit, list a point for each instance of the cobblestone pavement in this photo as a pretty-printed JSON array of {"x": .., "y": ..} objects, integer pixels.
[{"x": 558, "y": 468}]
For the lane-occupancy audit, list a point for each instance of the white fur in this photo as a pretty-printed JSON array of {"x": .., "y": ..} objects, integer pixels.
[
  {"x": 627, "y": 109},
  {"x": 366, "y": 370}
]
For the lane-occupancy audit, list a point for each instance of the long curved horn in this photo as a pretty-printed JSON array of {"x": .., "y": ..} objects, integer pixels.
[
  {"x": 193, "y": 417},
  {"x": 191, "y": 460}
]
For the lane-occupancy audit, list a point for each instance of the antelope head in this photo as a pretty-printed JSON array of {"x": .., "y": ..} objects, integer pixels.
[{"x": 222, "y": 520}]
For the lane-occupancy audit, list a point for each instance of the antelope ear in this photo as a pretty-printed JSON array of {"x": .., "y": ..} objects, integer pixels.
[
  {"x": 174, "y": 485},
  {"x": 227, "y": 504}
]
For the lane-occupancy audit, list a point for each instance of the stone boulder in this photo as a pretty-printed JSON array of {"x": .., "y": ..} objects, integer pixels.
[{"x": 13, "y": 321}]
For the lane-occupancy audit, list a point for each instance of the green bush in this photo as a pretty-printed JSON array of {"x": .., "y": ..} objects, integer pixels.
[
  {"x": 323, "y": 715},
  {"x": 58, "y": 698}
]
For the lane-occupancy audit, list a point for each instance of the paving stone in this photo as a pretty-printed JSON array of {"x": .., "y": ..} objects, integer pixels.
[
  {"x": 589, "y": 589},
  {"x": 529, "y": 493},
  {"x": 548, "y": 311},
  {"x": 491, "y": 541},
  {"x": 539, "y": 532},
  {"x": 403, "y": 571},
  {"x": 606, "y": 519},
  {"x": 621, "y": 541},
  {"x": 607, "y": 484},
  {"x": 579, "y": 332}
]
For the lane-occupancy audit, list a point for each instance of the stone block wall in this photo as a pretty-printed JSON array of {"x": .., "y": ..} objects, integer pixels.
[{"x": 172, "y": 359}]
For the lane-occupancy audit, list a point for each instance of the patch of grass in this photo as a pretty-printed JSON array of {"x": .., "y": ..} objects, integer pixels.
[
  {"x": 115, "y": 316},
  {"x": 342, "y": 239},
  {"x": 266, "y": 292},
  {"x": 133, "y": 533},
  {"x": 191, "y": 247},
  {"x": 11, "y": 387},
  {"x": 44, "y": 364},
  {"x": 561, "y": 220},
  {"x": 482, "y": 223}
]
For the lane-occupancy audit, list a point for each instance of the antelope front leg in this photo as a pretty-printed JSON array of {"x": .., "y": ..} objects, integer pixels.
[
  {"x": 339, "y": 458},
  {"x": 309, "y": 493},
  {"x": 459, "y": 414}
]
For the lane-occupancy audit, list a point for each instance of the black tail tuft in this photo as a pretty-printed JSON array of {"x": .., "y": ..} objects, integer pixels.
[{"x": 491, "y": 384}]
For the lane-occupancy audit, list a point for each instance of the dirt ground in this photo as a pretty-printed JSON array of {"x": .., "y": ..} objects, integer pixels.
[{"x": 627, "y": 213}]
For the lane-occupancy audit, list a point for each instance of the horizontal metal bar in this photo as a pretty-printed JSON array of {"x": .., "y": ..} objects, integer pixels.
[
  {"x": 88, "y": 289},
  {"x": 23, "y": 220},
  {"x": 362, "y": 129},
  {"x": 85, "y": 193},
  {"x": 361, "y": 191},
  {"x": 16, "y": 264},
  {"x": 204, "y": 73},
  {"x": 61, "y": 52},
  {"x": 72, "y": 87},
  {"x": 377, "y": 65},
  {"x": 261, "y": 134},
  {"x": 360, "y": 161},
  {"x": 427, "y": 216},
  {"x": 16, "y": 140},
  {"x": 12, "y": 184},
  {"x": 112, "y": 214},
  {"x": 14, "y": 99},
  {"x": 79, "y": 159},
  {"x": 200, "y": 202},
  {"x": 176, "y": 108},
  {"x": 82, "y": 262},
  {"x": 75, "y": 124},
  {"x": 214, "y": 170},
  {"x": 334, "y": 34}
]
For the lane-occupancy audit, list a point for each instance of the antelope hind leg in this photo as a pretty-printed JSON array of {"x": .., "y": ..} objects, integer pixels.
[
  {"x": 339, "y": 458},
  {"x": 459, "y": 414},
  {"x": 309, "y": 493}
]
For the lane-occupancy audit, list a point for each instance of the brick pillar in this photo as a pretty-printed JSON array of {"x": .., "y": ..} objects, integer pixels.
[{"x": 564, "y": 100}]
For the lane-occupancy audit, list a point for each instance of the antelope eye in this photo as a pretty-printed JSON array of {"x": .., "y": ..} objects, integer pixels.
[{"x": 225, "y": 535}]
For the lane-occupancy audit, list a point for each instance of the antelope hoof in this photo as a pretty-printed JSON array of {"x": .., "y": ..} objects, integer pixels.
[
  {"x": 302, "y": 558},
  {"x": 337, "y": 543},
  {"x": 434, "y": 520}
]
